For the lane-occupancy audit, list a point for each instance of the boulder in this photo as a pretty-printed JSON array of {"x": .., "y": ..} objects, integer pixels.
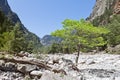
[
  {"x": 2, "y": 63},
  {"x": 56, "y": 61},
  {"x": 22, "y": 54},
  {"x": 50, "y": 62},
  {"x": 114, "y": 50},
  {"x": 21, "y": 69},
  {"x": 10, "y": 66},
  {"x": 67, "y": 61},
  {"x": 26, "y": 68},
  {"x": 59, "y": 71}
]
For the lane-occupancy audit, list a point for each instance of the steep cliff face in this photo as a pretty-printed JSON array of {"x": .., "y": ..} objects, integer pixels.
[
  {"x": 98, "y": 9},
  {"x": 13, "y": 17},
  {"x": 4, "y": 6},
  {"x": 101, "y": 6},
  {"x": 103, "y": 11},
  {"x": 8, "y": 12}
]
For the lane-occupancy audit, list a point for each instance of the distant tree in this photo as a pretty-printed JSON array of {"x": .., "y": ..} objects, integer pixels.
[
  {"x": 19, "y": 42},
  {"x": 30, "y": 46}
]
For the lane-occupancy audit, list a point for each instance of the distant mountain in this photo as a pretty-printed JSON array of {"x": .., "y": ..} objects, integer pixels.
[
  {"x": 13, "y": 17},
  {"x": 48, "y": 40}
]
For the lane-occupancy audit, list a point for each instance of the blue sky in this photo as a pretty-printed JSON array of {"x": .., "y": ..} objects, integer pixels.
[{"x": 44, "y": 16}]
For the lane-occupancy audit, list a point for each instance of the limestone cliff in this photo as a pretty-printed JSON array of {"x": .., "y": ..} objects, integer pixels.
[
  {"x": 103, "y": 11},
  {"x": 101, "y": 6}
]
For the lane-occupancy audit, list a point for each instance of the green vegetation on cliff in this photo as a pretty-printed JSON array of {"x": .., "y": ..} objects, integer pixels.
[
  {"x": 14, "y": 39},
  {"x": 114, "y": 27}
]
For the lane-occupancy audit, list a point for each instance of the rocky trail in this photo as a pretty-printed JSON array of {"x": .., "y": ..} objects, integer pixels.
[{"x": 27, "y": 66}]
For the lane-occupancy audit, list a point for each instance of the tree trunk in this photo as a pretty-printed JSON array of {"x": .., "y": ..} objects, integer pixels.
[{"x": 78, "y": 46}]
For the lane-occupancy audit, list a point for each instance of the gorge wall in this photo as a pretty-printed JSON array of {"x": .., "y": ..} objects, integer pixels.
[
  {"x": 30, "y": 37},
  {"x": 101, "y": 6}
]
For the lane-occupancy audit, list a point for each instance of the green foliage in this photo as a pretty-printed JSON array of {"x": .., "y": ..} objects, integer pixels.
[
  {"x": 81, "y": 32},
  {"x": 5, "y": 33},
  {"x": 55, "y": 48},
  {"x": 52, "y": 49},
  {"x": 114, "y": 27},
  {"x": 110, "y": 21},
  {"x": 45, "y": 49},
  {"x": 13, "y": 37},
  {"x": 7, "y": 41}
]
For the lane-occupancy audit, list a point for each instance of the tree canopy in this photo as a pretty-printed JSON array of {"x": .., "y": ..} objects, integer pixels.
[{"x": 81, "y": 32}]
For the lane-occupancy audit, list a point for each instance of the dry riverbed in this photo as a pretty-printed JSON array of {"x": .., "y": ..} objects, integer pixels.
[{"x": 60, "y": 67}]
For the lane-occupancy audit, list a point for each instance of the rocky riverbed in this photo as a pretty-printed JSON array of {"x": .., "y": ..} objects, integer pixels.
[{"x": 60, "y": 67}]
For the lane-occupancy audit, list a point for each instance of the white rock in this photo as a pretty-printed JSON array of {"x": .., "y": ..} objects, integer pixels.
[
  {"x": 50, "y": 62},
  {"x": 117, "y": 78},
  {"x": 26, "y": 67},
  {"x": 36, "y": 73}
]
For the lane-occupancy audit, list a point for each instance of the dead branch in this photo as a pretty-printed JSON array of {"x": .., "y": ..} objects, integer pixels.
[{"x": 25, "y": 61}]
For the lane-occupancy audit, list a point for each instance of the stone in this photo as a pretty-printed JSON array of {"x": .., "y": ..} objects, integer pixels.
[
  {"x": 25, "y": 68},
  {"x": 36, "y": 73},
  {"x": 56, "y": 61},
  {"x": 22, "y": 68},
  {"x": 10, "y": 66},
  {"x": 50, "y": 62},
  {"x": 26, "y": 54},
  {"x": 23, "y": 54},
  {"x": 67, "y": 61},
  {"x": 114, "y": 50},
  {"x": 2, "y": 63}
]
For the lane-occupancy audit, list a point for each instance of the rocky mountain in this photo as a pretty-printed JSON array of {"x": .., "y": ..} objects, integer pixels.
[
  {"x": 30, "y": 37},
  {"x": 101, "y": 6},
  {"x": 48, "y": 40},
  {"x": 12, "y": 16},
  {"x": 8, "y": 12}
]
